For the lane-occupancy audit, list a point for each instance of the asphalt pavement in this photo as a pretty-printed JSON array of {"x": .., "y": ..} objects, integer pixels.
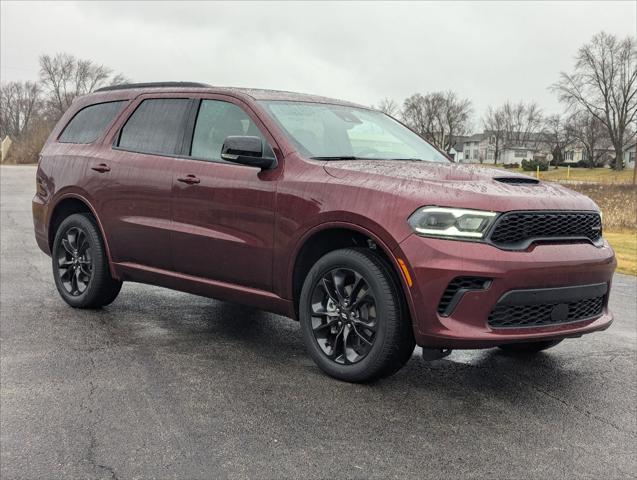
[{"x": 164, "y": 385}]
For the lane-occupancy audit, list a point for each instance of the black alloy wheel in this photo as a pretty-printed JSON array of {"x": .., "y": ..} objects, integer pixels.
[
  {"x": 80, "y": 264},
  {"x": 344, "y": 316},
  {"x": 75, "y": 261},
  {"x": 354, "y": 319}
]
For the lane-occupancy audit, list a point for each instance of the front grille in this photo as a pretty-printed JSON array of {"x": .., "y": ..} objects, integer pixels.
[
  {"x": 514, "y": 316},
  {"x": 520, "y": 229},
  {"x": 456, "y": 288}
]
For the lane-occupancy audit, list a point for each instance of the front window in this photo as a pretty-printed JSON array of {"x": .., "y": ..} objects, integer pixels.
[
  {"x": 216, "y": 121},
  {"x": 338, "y": 132}
]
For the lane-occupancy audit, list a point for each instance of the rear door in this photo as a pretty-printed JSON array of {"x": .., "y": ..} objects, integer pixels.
[
  {"x": 135, "y": 202},
  {"x": 223, "y": 212}
]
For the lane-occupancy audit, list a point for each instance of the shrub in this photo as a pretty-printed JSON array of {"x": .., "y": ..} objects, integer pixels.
[
  {"x": 532, "y": 165},
  {"x": 25, "y": 150}
]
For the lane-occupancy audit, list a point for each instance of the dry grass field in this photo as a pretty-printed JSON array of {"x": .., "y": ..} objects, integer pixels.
[{"x": 618, "y": 203}]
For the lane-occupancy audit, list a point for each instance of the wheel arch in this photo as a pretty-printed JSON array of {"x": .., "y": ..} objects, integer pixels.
[
  {"x": 328, "y": 237},
  {"x": 69, "y": 204}
]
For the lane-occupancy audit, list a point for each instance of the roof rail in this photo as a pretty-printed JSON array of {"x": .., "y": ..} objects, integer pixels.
[{"x": 125, "y": 86}]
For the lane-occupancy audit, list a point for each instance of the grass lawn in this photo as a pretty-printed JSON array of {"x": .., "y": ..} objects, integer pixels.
[
  {"x": 588, "y": 175},
  {"x": 625, "y": 246},
  {"x": 597, "y": 175}
]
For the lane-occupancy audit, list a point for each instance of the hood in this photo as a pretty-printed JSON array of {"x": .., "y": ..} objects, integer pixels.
[{"x": 455, "y": 185}]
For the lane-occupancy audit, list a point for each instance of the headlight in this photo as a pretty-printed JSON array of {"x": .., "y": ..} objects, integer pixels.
[{"x": 451, "y": 222}]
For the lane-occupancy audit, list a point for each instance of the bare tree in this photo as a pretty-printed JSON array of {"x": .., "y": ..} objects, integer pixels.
[
  {"x": 439, "y": 117},
  {"x": 557, "y": 136},
  {"x": 494, "y": 125},
  {"x": 389, "y": 106},
  {"x": 456, "y": 118},
  {"x": 417, "y": 116},
  {"x": 522, "y": 123},
  {"x": 591, "y": 133},
  {"x": 604, "y": 83},
  {"x": 514, "y": 125},
  {"x": 65, "y": 77},
  {"x": 19, "y": 104}
]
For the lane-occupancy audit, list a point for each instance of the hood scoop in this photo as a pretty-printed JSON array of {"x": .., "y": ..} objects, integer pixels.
[{"x": 517, "y": 180}]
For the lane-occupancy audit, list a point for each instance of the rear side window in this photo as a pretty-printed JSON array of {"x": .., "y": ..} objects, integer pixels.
[
  {"x": 89, "y": 123},
  {"x": 156, "y": 126}
]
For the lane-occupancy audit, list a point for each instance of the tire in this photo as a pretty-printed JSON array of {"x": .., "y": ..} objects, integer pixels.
[
  {"x": 530, "y": 347},
  {"x": 80, "y": 265},
  {"x": 373, "y": 320}
]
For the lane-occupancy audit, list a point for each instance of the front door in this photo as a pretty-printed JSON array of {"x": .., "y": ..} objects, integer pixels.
[{"x": 223, "y": 213}]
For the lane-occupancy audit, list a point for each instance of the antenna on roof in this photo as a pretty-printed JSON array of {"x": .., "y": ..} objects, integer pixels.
[{"x": 126, "y": 86}]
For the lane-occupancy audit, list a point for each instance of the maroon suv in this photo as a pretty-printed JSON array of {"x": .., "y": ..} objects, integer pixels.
[{"x": 321, "y": 210}]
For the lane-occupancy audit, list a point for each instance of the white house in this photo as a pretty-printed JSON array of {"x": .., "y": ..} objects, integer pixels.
[
  {"x": 629, "y": 155},
  {"x": 457, "y": 152},
  {"x": 480, "y": 148},
  {"x": 576, "y": 152},
  {"x": 511, "y": 155}
]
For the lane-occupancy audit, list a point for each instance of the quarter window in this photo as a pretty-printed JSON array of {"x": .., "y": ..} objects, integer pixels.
[
  {"x": 156, "y": 126},
  {"x": 89, "y": 123},
  {"x": 216, "y": 121}
]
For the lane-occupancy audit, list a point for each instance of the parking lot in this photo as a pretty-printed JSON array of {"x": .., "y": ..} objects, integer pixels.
[{"x": 168, "y": 385}]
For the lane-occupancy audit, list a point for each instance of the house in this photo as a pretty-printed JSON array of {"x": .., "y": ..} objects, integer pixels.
[
  {"x": 480, "y": 148},
  {"x": 576, "y": 152},
  {"x": 476, "y": 148},
  {"x": 456, "y": 152},
  {"x": 515, "y": 154},
  {"x": 629, "y": 155}
]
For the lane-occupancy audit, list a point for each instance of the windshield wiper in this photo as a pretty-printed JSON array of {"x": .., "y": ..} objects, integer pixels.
[{"x": 339, "y": 157}]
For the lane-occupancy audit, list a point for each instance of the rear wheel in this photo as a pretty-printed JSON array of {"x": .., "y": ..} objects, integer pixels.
[
  {"x": 80, "y": 265},
  {"x": 530, "y": 347},
  {"x": 353, "y": 318}
]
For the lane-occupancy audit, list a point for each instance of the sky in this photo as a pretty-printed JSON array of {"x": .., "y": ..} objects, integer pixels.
[{"x": 489, "y": 52}]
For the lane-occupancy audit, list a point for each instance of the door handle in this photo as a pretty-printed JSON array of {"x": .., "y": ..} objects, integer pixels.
[
  {"x": 189, "y": 179},
  {"x": 101, "y": 168}
]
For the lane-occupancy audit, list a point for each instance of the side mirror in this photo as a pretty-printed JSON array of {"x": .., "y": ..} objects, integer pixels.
[{"x": 246, "y": 150}]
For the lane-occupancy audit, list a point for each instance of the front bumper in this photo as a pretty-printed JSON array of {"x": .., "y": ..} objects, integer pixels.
[{"x": 435, "y": 262}]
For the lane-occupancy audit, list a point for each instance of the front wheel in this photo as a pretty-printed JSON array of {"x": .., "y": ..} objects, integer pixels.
[
  {"x": 80, "y": 265},
  {"x": 530, "y": 347},
  {"x": 353, "y": 318}
]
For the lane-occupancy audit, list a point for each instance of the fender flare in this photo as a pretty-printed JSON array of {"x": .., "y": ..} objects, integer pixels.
[
  {"x": 76, "y": 196},
  {"x": 384, "y": 246}
]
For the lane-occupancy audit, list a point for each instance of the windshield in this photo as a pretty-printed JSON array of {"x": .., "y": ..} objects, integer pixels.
[{"x": 337, "y": 132}]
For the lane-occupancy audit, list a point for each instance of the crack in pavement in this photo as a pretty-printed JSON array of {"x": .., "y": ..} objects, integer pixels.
[{"x": 91, "y": 425}]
